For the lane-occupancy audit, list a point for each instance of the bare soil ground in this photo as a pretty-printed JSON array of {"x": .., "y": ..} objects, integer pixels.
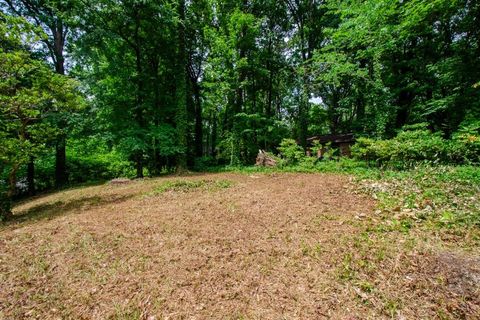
[{"x": 265, "y": 246}]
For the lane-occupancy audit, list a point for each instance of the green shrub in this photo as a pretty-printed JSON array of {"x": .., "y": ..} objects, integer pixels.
[
  {"x": 465, "y": 147},
  {"x": 45, "y": 173},
  {"x": 98, "y": 167},
  {"x": 228, "y": 150},
  {"x": 363, "y": 149},
  {"x": 416, "y": 144},
  {"x": 205, "y": 162},
  {"x": 191, "y": 185},
  {"x": 291, "y": 152}
]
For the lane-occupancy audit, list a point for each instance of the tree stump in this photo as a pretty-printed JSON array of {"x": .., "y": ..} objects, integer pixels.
[{"x": 264, "y": 160}]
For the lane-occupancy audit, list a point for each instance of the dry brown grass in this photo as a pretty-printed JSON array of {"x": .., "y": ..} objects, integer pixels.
[{"x": 277, "y": 246}]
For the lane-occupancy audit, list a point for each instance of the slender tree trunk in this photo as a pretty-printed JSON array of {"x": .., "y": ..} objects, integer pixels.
[
  {"x": 270, "y": 69},
  {"x": 333, "y": 113},
  {"x": 181, "y": 91},
  {"x": 139, "y": 107},
  {"x": 60, "y": 162},
  {"x": 5, "y": 207},
  {"x": 359, "y": 112},
  {"x": 139, "y": 166},
  {"x": 198, "y": 121},
  {"x": 214, "y": 136},
  {"x": 61, "y": 177},
  {"x": 206, "y": 149},
  {"x": 139, "y": 112},
  {"x": 31, "y": 177},
  {"x": 305, "y": 93},
  {"x": 303, "y": 112},
  {"x": 5, "y": 204},
  {"x": 6, "y": 197},
  {"x": 239, "y": 92},
  {"x": 303, "y": 121},
  {"x": 268, "y": 111}
]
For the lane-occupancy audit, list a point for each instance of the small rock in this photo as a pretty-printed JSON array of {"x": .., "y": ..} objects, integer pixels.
[{"x": 360, "y": 215}]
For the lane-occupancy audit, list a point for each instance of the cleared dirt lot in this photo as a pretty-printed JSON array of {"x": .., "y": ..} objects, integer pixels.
[{"x": 276, "y": 246}]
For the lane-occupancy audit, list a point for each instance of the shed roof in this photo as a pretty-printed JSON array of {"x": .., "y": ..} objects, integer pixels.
[{"x": 333, "y": 138}]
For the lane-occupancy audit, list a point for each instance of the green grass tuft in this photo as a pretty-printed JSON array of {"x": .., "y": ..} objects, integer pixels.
[{"x": 192, "y": 185}]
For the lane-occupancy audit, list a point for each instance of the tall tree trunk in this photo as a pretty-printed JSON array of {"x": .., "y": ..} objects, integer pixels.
[
  {"x": 303, "y": 112},
  {"x": 305, "y": 93},
  {"x": 268, "y": 111},
  {"x": 31, "y": 177},
  {"x": 303, "y": 121},
  {"x": 61, "y": 177},
  {"x": 139, "y": 107},
  {"x": 6, "y": 197},
  {"x": 214, "y": 136},
  {"x": 5, "y": 204},
  {"x": 5, "y": 207},
  {"x": 198, "y": 121},
  {"x": 139, "y": 166},
  {"x": 181, "y": 91},
  {"x": 333, "y": 113}
]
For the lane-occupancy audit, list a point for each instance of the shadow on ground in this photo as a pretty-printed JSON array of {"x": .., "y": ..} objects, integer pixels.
[{"x": 59, "y": 208}]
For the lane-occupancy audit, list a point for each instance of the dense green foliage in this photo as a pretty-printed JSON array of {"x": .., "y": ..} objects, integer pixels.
[
  {"x": 31, "y": 95},
  {"x": 418, "y": 144},
  {"x": 173, "y": 84}
]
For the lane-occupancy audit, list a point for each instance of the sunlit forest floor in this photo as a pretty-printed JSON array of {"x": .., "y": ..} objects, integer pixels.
[{"x": 230, "y": 246}]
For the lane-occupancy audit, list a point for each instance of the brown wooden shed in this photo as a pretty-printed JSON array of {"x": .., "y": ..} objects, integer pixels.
[{"x": 341, "y": 141}]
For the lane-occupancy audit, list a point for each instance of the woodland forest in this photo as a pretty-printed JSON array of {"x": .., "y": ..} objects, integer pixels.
[{"x": 99, "y": 89}]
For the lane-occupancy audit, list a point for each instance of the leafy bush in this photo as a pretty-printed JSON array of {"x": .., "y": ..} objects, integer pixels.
[
  {"x": 45, "y": 172},
  {"x": 466, "y": 144},
  {"x": 205, "y": 162},
  {"x": 228, "y": 150},
  {"x": 291, "y": 152},
  {"x": 416, "y": 144},
  {"x": 98, "y": 167}
]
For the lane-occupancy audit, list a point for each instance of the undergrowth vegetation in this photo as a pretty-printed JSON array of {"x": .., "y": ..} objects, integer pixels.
[
  {"x": 192, "y": 185},
  {"x": 416, "y": 143},
  {"x": 445, "y": 197}
]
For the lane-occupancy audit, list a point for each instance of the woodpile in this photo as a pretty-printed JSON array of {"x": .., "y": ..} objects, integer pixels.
[{"x": 264, "y": 160}]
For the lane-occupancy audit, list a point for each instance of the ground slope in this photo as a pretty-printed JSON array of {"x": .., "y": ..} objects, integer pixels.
[{"x": 230, "y": 246}]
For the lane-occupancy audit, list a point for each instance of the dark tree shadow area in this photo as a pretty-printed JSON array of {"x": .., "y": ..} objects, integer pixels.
[{"x": 61, "y": 208}]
